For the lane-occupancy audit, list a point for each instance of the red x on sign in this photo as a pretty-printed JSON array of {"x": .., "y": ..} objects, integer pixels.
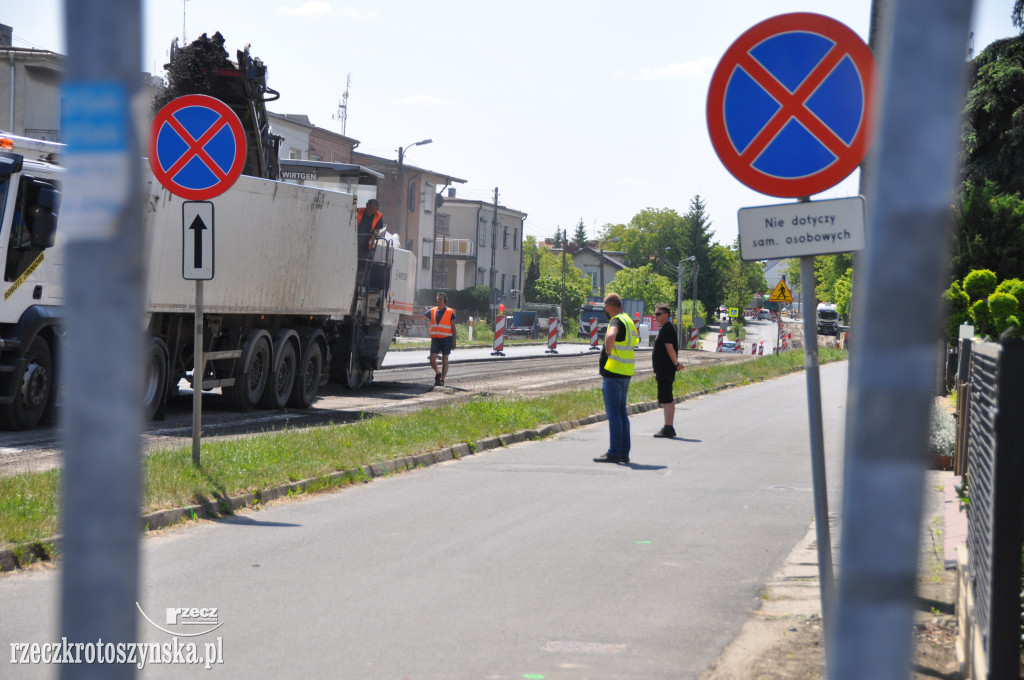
[
  {"x": 789, "y": 106},
  {"x": 197, "y": 147}
]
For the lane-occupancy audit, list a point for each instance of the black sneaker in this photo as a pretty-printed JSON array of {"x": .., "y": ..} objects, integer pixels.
[
  {"x": 440, "y": 382},
  {"x": 437, "y": 379},
  {"x": 611, "y": 459},
  {"x": 666, "y": 433}
]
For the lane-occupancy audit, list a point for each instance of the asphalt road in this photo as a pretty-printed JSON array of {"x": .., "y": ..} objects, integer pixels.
[
  {"x": 404, "y": 384},
  {"x": 525, "y": 562}
]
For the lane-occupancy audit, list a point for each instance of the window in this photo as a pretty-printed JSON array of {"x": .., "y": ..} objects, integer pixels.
[
  {"x": 513, "y": 282},
  {"x": 483, "y": 235},
  {"x": 502, "y": 283},
  {"x": 410, "y": 197},
  {"x": 426, "y": 262},
  {"x": 505, "y": 240},
  {"x": 515, "y": 240}
]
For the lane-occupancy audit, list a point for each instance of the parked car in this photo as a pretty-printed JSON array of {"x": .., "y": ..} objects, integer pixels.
[{"x": 764, "y": 315}]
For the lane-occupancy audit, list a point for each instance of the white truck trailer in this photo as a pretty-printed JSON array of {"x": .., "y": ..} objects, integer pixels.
[{"x": 296, "y": 298}]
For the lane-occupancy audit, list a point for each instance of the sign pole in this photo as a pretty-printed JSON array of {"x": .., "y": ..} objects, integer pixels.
[
  {"x": 198, "y": 371},
  {"x": 826, "y": 574}
]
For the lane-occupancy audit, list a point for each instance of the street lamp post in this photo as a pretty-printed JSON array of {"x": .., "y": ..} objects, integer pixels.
[{"x": 403, "y": 219}]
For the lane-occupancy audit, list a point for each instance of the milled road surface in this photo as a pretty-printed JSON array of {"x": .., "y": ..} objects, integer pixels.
[{"x": 404, "y": 385}]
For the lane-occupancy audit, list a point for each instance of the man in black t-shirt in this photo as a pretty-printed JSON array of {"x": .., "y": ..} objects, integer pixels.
[{"x": 666, "y": 363}]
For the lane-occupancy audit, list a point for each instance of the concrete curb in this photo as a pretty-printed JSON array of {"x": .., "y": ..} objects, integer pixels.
[{"x": 49, "y": 548}]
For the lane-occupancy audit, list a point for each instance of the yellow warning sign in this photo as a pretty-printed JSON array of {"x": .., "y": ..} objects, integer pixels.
[{"x": 781, "y": 293}]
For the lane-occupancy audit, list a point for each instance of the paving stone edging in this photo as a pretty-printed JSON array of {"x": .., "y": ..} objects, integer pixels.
[{"x": 49, "y": 548}]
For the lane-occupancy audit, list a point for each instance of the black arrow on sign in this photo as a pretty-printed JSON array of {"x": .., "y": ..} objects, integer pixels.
[{"x": 197, "y": 228}]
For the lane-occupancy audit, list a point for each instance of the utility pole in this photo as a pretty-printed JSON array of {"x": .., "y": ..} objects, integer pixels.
[
  {"x": 105, "y": 277},
  {"x": 494, "y": 245},
  {"x": 565, "y": 248}
]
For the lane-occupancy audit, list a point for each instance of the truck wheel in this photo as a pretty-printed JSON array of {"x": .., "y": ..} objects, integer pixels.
[
  {"x": 33, "y": 391},
  {"x": 308, "y": 379},
  {"x": 154, "y": 387},
  {"x": 279, "y": 385},
  {"x": 250, "y": 383}
]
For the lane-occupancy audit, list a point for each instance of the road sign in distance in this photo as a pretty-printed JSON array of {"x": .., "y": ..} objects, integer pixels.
[
  {"x": 789, "y": 105},
  {"x": 197, "y": 147},
  {"x": 197, "y": 240},
  {"x": 781, "y": 293},
  {"x": 797, "y": 229}
]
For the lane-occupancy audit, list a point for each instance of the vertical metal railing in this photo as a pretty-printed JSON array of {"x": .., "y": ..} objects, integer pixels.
[{"x": 996, "y": 509}]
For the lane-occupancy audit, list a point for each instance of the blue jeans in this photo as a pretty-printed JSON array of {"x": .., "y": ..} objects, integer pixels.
[{"x": 614, "y": 392}]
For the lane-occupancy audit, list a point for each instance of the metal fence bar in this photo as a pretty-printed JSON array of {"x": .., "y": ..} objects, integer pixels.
[
  {"x": 892, "y": 378},
  {"x": 994, "y": 515}
]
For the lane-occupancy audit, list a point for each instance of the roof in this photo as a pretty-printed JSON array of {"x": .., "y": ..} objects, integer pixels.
[{"x": 328, "y": 169}]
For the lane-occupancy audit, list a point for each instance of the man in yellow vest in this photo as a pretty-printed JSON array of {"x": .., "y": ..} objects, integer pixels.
[
  {"x": 620, "y": 340},
  {"x": 442, "y": 336}
]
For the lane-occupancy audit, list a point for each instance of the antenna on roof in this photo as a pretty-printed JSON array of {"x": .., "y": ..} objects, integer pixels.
[{"x": 342, "y": 113}]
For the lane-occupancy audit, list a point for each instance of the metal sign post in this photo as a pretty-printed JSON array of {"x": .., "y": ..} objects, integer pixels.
[
  {"x": 197, "y": 151},
  {"x": 102, "y": 419},
  {"x": 197, "y": 265},
  {"x": 789, "y": 113},
  {"x": 892, "y": 376}
]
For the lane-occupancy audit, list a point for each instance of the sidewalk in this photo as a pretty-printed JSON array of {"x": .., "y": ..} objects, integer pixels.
[{"x": 783, "y": 639}]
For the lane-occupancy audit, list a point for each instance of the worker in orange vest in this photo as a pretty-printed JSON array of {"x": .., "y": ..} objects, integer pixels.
[
  {"x": 442, "y": 336},
  {"x": 369, "y": 220}
]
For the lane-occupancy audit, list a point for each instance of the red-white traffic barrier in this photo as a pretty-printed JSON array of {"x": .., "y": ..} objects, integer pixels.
[
  {"x": 593, "y": 333},
  {"x": 552, "y": 336},
  {"x": 737, "y": 348},
  {"x": 693, "y": 338},
  {"x": 499, "y": 337},
  {"x": 785, "y": 340},
  {"x": 760, "y": 349},
  {"x": 721, "y": 339},
  {"x": 753, "y": 349}
]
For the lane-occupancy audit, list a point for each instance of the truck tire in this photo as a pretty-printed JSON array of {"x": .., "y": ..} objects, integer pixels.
[
  {"x": 250, "y": 382},
  {"x": 307, "y": 382},
  {"x": 33, "y": 389},
  {"x": 154, "y": 375},
  {"x": 280, "y": 382}
]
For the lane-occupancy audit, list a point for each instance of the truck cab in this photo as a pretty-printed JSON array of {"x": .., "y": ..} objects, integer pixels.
[
  {"x": 827, "y": 319},
  {"x": 30, "y": 192}
]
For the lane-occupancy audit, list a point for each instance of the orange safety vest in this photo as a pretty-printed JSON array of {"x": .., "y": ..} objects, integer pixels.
[
  {"x": 442, "y": 328},
  {"x": 376, "y": 217}
]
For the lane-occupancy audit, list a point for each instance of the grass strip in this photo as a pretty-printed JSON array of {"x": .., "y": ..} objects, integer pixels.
[{"x": 29, "y": 502}]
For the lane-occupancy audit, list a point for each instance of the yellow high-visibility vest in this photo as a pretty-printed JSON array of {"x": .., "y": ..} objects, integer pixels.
[{"x": 620, "y": 361}]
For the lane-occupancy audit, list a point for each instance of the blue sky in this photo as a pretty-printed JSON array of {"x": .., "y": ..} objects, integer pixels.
[{"x": 574, "y": 109}]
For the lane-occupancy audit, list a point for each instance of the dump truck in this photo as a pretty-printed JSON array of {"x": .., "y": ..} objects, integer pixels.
[
  {"x": 295, "y": 301},
  {"x": 827, "y": 319}
]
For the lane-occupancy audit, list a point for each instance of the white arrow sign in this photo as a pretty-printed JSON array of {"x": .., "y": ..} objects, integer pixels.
[{"x": 197, "y": 240}]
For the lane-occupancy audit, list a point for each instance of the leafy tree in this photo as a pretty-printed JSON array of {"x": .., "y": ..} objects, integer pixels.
[
  {"x": 842, "y": 293},
  {"x": 828, "y": 269},
  {"x": 1014, "y": 287},
  {"x": 579, "y": 237},
  {"x": 980, "y": 283},
  {"x": 557, "y": 240},
  {"x": 958, "y": 305},
  {"x": 994, "y": 127},
  {"x": 991, "y": 234},
  {"x": 549, "y": 290},
  {"x": 696, "y": 241},
  {"x": 742, "y": 279},
  {"x": 531, "y": 256},
  {"x": 641, "y": 283},
  {"x": 992, "y": 308}
]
